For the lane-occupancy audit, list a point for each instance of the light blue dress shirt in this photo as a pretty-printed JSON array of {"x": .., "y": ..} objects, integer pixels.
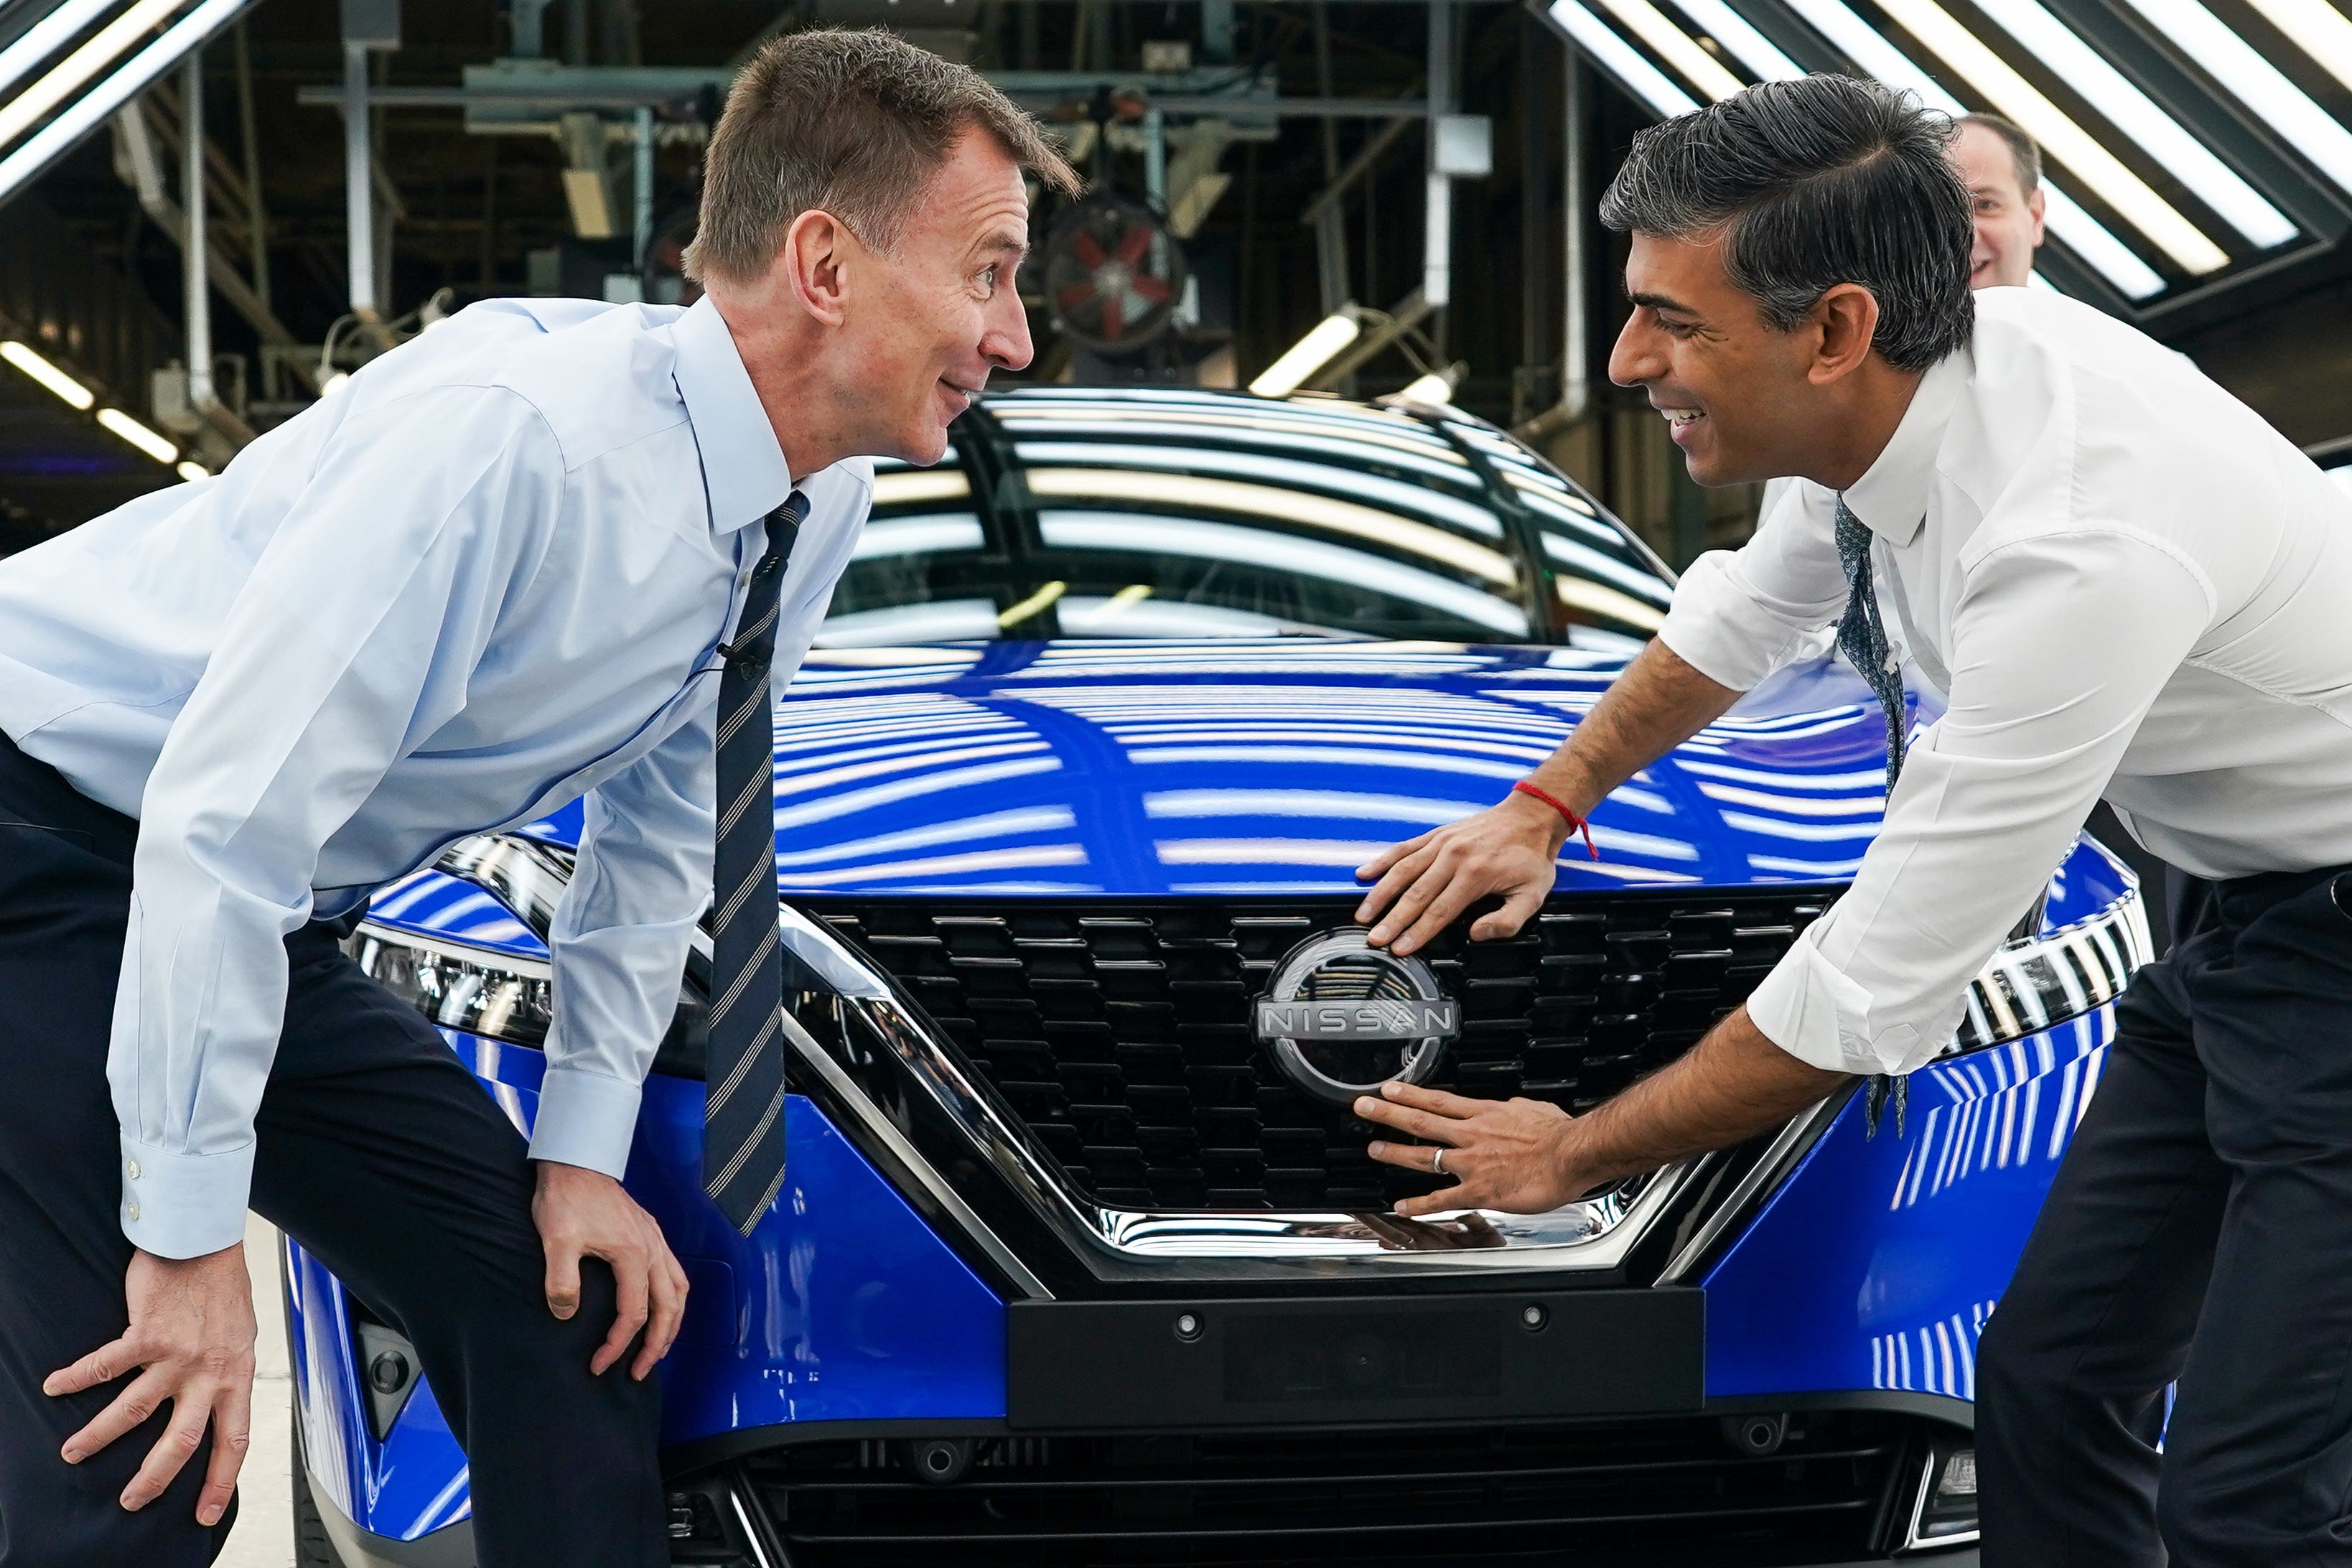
[{"x": 485, "y": 579}]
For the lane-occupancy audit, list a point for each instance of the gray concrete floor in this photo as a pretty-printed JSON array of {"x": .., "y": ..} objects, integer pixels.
[{"x": 264, "y": 1536}]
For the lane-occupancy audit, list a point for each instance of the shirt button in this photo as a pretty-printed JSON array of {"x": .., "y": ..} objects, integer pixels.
[
  {"x": 134, "y": 1170},
  {"x": 132, "y": 1208}
]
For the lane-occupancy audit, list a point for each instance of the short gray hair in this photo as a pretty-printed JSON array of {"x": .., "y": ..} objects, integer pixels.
[
  {"x": 1813, "y": 183},
  {"x": 852, "y": 122},
  {"x": 2023, "y": 150}
]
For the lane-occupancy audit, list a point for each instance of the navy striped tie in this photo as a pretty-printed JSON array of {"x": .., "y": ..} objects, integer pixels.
[
  {"x": 1862, "y": 638},
  {"x": 743, "y": 1118}
]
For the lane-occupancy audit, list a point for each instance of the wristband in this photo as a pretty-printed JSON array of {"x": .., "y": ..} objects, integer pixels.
[{"x": 1575, "y": 823}]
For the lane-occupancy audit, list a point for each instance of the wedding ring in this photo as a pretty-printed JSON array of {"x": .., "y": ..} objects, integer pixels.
[{"x": 1437, "y": 1162}]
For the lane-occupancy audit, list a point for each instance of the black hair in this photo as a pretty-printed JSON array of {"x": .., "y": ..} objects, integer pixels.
[{"x": 1813, "y": 183}]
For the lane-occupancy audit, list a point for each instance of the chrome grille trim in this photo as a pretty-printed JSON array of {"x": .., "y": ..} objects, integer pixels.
[
  {"x": 1116, "y": 1034},
  {"x": 1195, "y": 1244},
  {"x": 2039, "y": 982}
]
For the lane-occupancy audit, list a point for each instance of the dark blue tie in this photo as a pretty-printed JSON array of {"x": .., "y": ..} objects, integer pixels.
[
  {"x": 1862, "y": 638},
  {"x": 743, "y": 1118}
]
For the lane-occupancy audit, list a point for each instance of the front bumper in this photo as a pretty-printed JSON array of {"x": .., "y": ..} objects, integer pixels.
[{"x": 1833, "y": 1487}]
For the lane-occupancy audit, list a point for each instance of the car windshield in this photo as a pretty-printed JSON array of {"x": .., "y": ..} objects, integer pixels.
[{"x": 1179, "y": 515}]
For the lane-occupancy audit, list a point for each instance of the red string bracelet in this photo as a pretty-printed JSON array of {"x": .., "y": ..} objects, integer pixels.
[{"x": 1574, "y": 821}]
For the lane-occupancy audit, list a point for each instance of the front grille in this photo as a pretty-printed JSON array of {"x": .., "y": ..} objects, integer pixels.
[
  {"x": 1653, "y": 1493},
  {"x": 1120, "y": 1033}
]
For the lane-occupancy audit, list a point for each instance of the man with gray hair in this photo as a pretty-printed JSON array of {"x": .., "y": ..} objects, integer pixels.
[
  {"x": 554, "y": 551},
  {"x": 2002, "y": 168},
  {"x": 2114, "y": 571}
]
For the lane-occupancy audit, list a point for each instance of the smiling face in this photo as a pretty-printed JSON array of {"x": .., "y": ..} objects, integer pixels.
[
  {"x": 2008, "y": 220},
  {"x": 1736, "y": 393},
  {"x": 923, "y": 325}
]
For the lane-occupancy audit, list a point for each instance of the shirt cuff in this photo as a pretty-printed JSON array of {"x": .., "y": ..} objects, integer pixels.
[
  {"x": 183, "y": 1206},
  {"x": 585, "y": 1119},
  {"x": 1816, "y": 1013}
]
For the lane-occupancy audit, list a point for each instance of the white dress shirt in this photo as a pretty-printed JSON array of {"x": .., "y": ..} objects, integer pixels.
[
  {"x": 2119, "y": 576},
  {"x": 484, "y": 580}
]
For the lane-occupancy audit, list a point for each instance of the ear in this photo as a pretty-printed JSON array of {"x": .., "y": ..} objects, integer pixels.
[
  {"x": 813, "y": 264},
  {"x": 2037, "y": 204},
  {"x": 1843, "y": 321}
]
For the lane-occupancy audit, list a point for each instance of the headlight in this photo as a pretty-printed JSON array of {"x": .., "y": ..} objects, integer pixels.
[
  {"x": 2034, "y": 983},
  {"x": 504, "y": 998}
]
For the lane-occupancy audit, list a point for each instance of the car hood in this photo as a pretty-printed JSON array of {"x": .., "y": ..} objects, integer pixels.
[{"x": 1015, "y": 770}]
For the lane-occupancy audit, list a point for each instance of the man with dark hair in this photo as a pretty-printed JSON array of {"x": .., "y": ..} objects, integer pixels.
[
  {"x": 2002, "y": 168},
  {"x": 554, "y": 551},
  {"x": 2114, "y": 570}
]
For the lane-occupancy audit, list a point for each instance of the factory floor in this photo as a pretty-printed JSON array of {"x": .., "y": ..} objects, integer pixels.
[{"x": 264, "y": 1534}]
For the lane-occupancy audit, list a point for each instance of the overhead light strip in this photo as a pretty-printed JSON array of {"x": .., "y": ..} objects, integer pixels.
[
  {"x": 1621, "y": 60},
  {"x": 2091, "y": 241},
  {"x": 1727, "y": 27},
  {"x": 138, "y": 434},
  {"x": 2131, "y": 111},
  {"x": 1680, "y": 50},
  {"x": 2059, "y": 134},
  {"x": 2257, "y": 83},
  {"x": 67, "y": 77},
  {"x": 1324, "y": 341},
  {"x": 86, "y": 111},
  {"x": 2081, "y": 233},
  {"x": 48, "y": 375},
  {"x": 47, "y": 36},
  {"x": 2317, "y": 28}
]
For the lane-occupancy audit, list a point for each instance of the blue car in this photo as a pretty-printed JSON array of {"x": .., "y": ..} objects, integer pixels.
[{"x": 1079, "y": 1259}]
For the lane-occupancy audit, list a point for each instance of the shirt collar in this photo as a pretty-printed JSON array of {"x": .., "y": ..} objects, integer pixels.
[
  {"x": 743, "y": 469},
  {"x": 1891, "y": 497}
]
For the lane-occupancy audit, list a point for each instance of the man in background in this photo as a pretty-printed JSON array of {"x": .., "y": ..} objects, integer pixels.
[{"x": 2001, "y": 167}]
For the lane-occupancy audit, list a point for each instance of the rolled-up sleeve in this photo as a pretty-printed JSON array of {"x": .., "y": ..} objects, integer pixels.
[
  {"x": 351, "y": 642},
  {"x": 2059, "y": 645},
  {"x": 620, "y": 942},
  {"x": 1739, "y": 614}
]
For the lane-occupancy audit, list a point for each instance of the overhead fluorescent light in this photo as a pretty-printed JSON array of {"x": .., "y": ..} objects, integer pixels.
[
  {"x": 1431, "y": 390},
  {"x": 47, "y": 36},
  {"x": 138, "y": 434},
  {"x": 2081, "y": 233},
  {"x": 2133, "y": 113},
  {"x": 2317, "y": 28},
  {"x": 2060, "y": 136},
  {"x": 2260, "y": 85},
  {"x": 67, "y": 75},
  {"x": 1678, "y": 49},
  {"x": 191, "y": 473},
  {"x": 48, "y": 375},
  {"x": 1310, "y": 354},
  {"x": 2089, "y": 238},
  {"x": 1751, "y": 48},
  {"x": 1621, "y": 60},
  {"x": 77, "y": 118}
]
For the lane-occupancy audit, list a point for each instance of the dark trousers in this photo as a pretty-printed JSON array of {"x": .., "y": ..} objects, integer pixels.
[
  {"x": 376, "y": 1150},
  {"x": 2200, "y": 1229}
]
